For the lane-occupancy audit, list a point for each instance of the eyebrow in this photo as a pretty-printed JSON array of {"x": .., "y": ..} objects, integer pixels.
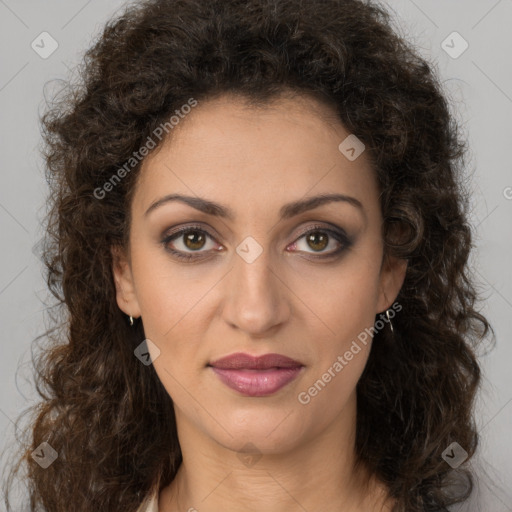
[{"x": 287, "y": 211}]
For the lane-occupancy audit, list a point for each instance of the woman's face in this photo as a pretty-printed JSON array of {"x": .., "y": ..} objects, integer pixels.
[{"x": 255, "y": 282}]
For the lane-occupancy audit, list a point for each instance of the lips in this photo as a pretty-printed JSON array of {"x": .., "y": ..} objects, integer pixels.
[
  {"x": 256, "y": 376},
  {"x": 241, "y": 361}
]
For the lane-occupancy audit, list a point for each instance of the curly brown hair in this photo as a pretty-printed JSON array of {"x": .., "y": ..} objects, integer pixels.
[{"x": 107, "y": 416}]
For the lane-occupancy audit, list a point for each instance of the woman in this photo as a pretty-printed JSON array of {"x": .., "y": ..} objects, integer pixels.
[{"x": 259, "y": 236}]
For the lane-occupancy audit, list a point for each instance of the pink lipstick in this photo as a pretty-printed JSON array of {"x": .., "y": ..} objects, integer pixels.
[{"x": 256, "y": 376}]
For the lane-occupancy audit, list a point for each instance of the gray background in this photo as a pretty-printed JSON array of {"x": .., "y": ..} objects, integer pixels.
[{"x": 478, "y": 83}]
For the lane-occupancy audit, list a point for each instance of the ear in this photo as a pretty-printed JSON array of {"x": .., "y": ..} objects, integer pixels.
[
  {"x": 123, "y": 278},
  {"x": 392, "y": 277}
]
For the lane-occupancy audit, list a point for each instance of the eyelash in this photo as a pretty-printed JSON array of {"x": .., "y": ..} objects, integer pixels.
[{"x": 340, "y": 237}]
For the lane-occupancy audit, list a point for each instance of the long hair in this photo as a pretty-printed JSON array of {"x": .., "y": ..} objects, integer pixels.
[{"x": 107, "y": 416}]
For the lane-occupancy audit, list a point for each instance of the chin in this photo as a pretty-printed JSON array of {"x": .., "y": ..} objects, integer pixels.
[{"x": 270, "y": 431}]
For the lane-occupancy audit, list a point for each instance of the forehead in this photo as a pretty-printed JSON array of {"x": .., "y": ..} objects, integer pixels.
[{"x": 228, "y": 150}]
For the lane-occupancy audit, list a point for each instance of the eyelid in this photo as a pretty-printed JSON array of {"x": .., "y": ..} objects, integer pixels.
[
  {"x": 325, "y": 226},
  {"x": 177, "y": 232},
  {"x": 187, "y": 227}
]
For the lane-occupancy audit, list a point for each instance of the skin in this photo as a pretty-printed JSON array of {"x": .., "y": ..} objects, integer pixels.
[{"x": 254, "y": 161}]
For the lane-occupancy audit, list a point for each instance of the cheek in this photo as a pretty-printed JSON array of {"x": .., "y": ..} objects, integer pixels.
[
  {"x": 168, "y": 294},
  {"x": 341, "y": 354},
  {"x": 341, "y": 329},
  {"x": 343, "y": 301}
]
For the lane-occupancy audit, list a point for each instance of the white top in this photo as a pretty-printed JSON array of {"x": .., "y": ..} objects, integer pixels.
[{"x": 150, "y": 504}]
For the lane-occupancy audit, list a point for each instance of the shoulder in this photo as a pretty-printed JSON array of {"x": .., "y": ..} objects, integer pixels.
[{"x": 150, "y": 504}]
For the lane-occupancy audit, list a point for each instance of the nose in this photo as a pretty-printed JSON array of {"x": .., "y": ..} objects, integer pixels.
[{"x": 256, "y": 296}]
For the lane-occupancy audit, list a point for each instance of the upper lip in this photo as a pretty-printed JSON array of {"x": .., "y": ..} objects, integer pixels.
[{"x": 241, "y": 361}]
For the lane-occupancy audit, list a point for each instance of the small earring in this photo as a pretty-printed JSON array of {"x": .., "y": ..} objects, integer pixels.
[
  {"x": 131, "y": 320},
  {"x": 389, "y": 320}
]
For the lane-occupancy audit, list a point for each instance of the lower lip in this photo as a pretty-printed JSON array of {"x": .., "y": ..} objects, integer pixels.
[{"x": 257, "y": 382}]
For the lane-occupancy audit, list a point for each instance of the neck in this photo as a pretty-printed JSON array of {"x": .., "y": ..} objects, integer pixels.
[{"x": 316, "y": 475}]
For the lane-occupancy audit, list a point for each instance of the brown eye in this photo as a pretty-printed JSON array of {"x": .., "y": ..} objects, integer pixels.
[
  {"x": 184, "y": 242},
  {"x": 317, "y": 240},
  {"x": 194, "y": 240}
]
